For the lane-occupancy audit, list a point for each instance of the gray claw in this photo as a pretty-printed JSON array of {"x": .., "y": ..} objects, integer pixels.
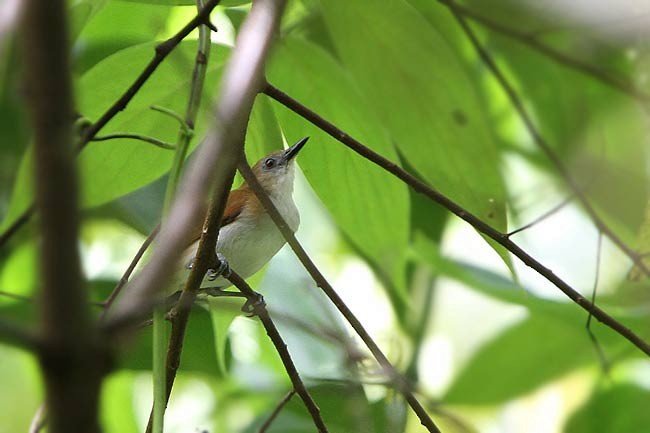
[{"x": 222, "y": 269}]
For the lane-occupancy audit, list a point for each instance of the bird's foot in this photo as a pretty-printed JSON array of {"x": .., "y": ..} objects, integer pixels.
[
  {"x": 222, "y": 268},
  {"x": 253, "y": 305}
]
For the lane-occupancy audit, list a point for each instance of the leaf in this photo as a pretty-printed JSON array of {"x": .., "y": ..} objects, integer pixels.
[
  {"x": 223, "y": 312},
  {"x": 139, "y": 23},
  {"x": 623, "y": 408},
  {"x": 370, "y": 206},
  {"x": 117, "y": 405},
  {"x": 344, "y": 409},
  {"x": 519, "y": 360},
  {"x": 422, "y": 93},
  {"x": 643, "y": 242},
  {"x": 198, "y": 347},
  {"x": 110, "y": 169}
]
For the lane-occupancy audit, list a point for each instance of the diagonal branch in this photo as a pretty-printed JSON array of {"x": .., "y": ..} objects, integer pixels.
[
  {"x": 473, "y": 220},
  {"x": 518, "y": 104},
  {"x": 259, "y": 309},
  {"x": 548, "y": 51},
  {"x": 400, "y": 382}
]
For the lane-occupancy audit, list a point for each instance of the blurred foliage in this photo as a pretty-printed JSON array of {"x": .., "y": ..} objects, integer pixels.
[{"x": 401, "y": 77}]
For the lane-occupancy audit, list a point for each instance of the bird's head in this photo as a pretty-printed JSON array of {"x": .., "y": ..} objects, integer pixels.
[{"x": 276, "y": 170}]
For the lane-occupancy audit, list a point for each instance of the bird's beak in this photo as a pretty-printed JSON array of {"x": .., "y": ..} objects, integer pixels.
[{"x": 291, "y": 152}]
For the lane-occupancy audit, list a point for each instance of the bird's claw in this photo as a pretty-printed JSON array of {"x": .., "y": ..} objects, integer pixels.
[
  {"x": 253, "y": 305},
  {"x": 222, "y": 268}
]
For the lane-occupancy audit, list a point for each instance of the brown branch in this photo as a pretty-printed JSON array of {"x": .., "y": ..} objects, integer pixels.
[
  {"x": 267, "y": 423},
  {"x": 518, "y": 104},
  {"x": 72, "y": 360},
  {"x": 548, "y": 51},
  {"x": 161, "y": 52},
  {"x": 139, "y": 137},
  {"x": 400, "y": 382},
  {"x": 457, "y": 210},
  {"x": 241, "y": 82},
  {"x": 259, "y": 309}
]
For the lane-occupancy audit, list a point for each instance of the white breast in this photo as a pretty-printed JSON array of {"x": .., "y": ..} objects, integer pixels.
[{"x": 249, "y": 242}]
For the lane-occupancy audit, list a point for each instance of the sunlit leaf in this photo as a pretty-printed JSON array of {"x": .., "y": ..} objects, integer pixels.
[
  {"x": 422, "y": 93},
  {"x": 621, "y": 408},
  {"x": 370, "y": 206}
]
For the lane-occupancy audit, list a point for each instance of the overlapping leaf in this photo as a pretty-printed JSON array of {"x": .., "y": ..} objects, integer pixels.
[{"x": 369, "y": 205}]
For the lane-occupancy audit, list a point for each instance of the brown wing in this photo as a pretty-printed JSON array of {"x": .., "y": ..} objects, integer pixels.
[{"x": 234, "y": 206}]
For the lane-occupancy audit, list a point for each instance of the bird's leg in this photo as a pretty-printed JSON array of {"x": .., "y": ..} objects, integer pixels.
[{"x": 222, "y": 268}]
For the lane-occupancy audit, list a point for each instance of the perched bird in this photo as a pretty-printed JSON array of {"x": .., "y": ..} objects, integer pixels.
[{"x": 248, "y": 238}]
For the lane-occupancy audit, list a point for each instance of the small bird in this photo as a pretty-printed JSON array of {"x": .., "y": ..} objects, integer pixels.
[{"x": 248, "y": 237}]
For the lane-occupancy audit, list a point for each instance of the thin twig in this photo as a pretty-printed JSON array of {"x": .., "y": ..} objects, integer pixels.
[
  {"x": 542, "y": 217},
  {"x": 541, "y": 142},
  {"x": 129, "y": 270},
  {"x": 161, "y": 52},
  {"x": 140, "y": 137},
  {"x": 267, "y": 423},
  {"x": 457, "y": 210},
  {"x": 259, "y": 309},
  {"x": 548, "y": 51},
  {"x": 16, "y": 296},
  {"x": 597, "y": 346},
  {"x": 400, "y": 382}
]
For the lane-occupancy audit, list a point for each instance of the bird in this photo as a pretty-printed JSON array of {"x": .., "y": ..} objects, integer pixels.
[{"x": 248, "y": 237}]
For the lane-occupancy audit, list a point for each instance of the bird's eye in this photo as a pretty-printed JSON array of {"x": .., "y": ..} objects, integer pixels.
[{"x": 269, "y": 163}]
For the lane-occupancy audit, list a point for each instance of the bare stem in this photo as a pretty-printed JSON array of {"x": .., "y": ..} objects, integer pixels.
[
  {"x": 400, "y": 382},
  {"x": 259, "y": 309},
  {"x": 457, "y": 210}
]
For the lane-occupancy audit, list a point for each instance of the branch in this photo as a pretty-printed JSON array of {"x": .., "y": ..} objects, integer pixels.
[
  {"x": 129, "y": 270},
  {"x": 264, "y": 427},
  {"x": 259, "y": 309},
  {"x": 161, "y": 52},
  {"x": 518, "y": 104},
  {"x": 457, "y": 210},
  {"x": 72, "y": 359},
  {"x": 213, "y": 167},
  {"x": 550, "y": 52},
  {"x": 140, "y": 137},
  {"x": 399, "y": 381}
]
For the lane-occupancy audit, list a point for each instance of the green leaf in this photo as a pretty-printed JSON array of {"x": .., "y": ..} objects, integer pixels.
[
  {"x": 198, "y": 347},
  {"x": 422, "y": 93},
  {"x": 519, "y": 360},
  {"x": 602, "y": 144},
  {"x": 623, "y": 408},
  {"x": 344, "y": 409},
  {"x": 139, "y": 23},
  {"x": 117, "y": 405},
  {"x": 223, "y": 312},
  {"x": 370, "y": 206},
  {"x": 110, "y": 169}
]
